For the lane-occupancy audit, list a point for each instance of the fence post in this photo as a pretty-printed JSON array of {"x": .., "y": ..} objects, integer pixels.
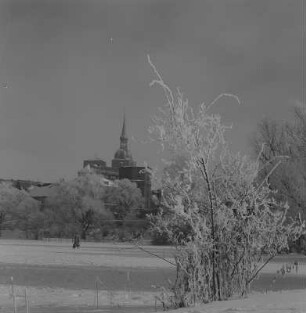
[
  {"x": 155, "y": 304},
  {"x": 128, "y": 283},
  {"x": 14, "y": 295},
  {"x": 97, "y": 293},
  {"x": 26, "y": 300}
]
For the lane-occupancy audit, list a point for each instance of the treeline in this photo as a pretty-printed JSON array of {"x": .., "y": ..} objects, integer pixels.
[
  {"x": 281, "y": 147},
  {"x": 83, "y": 205}
]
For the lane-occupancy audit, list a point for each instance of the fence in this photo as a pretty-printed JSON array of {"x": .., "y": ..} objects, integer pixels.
[{"x": 28, "y": 300}]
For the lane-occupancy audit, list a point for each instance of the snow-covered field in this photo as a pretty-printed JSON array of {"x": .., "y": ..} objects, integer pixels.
[
  {"x": 99, "y": 254},
  {"x": 90, "y": 254},
  {"x": 293, "y": 301},
  {"x": 120, "y": 256},
  {"x": 53, "y": 298}
]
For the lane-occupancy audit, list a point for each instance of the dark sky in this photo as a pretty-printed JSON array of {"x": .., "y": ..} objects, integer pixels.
[{"x": 69, "y": 68}]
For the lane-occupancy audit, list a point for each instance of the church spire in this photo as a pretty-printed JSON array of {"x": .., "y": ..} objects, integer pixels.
[
  {"x": 122, "y": 156},
  {"x": 123, "y": 137},
  {"x": 123, "y": 132}
]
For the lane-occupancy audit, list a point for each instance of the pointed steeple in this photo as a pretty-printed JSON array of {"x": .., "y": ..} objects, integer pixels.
[
  {"x": 122, "y": 156},
  {"x": 123, "y": 132},
  {"x": 123, "y": 137}
]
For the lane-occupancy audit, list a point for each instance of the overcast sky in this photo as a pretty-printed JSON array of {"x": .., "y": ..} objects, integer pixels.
[{"x": 69, "y": 68}]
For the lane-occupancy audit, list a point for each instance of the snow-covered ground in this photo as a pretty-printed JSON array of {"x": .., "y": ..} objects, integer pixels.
[
  {"x": 273, "y": 302},
  {"x": 293, "y": 301},
  {"x": 98, "y": 254},
  {"x": 90, "y": 254},
  {"x": 122, "y": 256},
  {"x": 52, "y": 297}
]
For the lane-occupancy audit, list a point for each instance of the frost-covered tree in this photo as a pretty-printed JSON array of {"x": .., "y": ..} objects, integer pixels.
[
  {"x": 124, "y": 199},
  {"x": 9, "y": 199},
  {"x": 19, "y": 211},
  {"x": 29, "y": 218},
  {"x": 77, "y": 206},
  {"x": 12, "y": 202},
  {"x": 224, "y": 224}
]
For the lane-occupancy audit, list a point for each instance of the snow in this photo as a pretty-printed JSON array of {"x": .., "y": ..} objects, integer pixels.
[
  {"x": 116, "y": 255},
  {"x": 293, "y": 301},
  {"x": 90, "y": 254}
]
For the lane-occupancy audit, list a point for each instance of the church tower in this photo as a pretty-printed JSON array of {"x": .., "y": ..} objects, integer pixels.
[{"x": 122, "y": 156}]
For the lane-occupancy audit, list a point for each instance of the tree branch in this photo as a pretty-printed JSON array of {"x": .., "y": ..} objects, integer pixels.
[
  {"x": 156, "y": 255},
  {"x": 256, "y": 273},
  {"x": 237, "y": 263}
]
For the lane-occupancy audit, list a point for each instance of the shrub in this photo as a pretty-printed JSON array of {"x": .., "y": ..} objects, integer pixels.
[{"x": 220, "y": 218}]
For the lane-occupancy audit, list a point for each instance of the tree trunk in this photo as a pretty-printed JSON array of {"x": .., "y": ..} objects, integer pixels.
[
  {"x": 1, "y": 222},
  {"x": 83, "y": 234}
]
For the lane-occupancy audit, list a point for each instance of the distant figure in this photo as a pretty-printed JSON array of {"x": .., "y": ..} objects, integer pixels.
[
  {"x": 296, "y": 264},
  {"x": 283, "y": 272},
  {"x": 274, "y": 280},
  {"x": 76, "y": 242}
]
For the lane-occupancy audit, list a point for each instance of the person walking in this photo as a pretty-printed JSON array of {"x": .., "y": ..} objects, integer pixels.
[
  {"x": 76, "y": 241},
  {"x": 296, "y": 264}
]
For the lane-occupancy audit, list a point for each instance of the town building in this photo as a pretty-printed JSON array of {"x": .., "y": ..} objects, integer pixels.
[
  {"x": 124, "y": 167},
  {"x": 23, "y": 184}
]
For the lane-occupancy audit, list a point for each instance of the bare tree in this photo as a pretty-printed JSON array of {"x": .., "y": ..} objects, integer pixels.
[{"x": 278, "y": 140}]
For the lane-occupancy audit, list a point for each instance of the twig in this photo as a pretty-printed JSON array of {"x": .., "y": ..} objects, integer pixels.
[
  {"x": 221, "y": 96},
  {"x": 236, "y": 265},
  {"x": 161, "y": 82},
  {"x": 156, "y": 255},
  {"x": 269, "y": 174},
  {"x": 256, "y": 273}
]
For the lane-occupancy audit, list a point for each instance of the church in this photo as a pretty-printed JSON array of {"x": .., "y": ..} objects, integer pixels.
[{"x": 124, "y": 167}]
